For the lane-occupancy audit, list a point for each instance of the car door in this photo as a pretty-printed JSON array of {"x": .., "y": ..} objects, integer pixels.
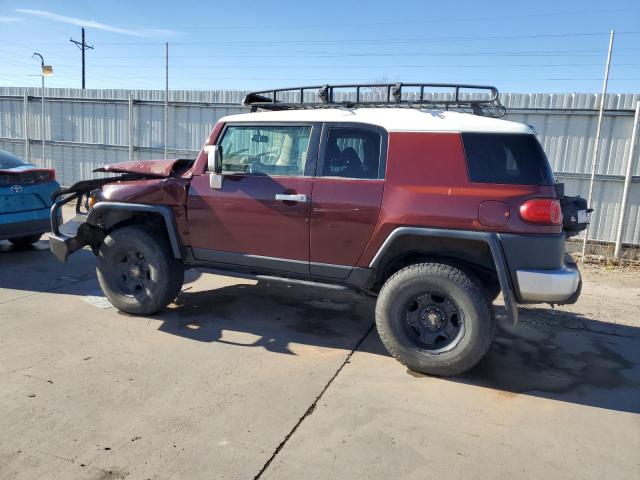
[
  {"x": 260, "y": 216},
  {"x": 347, "y": 194}
]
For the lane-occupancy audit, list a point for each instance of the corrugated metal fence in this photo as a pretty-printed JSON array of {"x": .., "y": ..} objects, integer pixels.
[{"x": 87, "y": 129}]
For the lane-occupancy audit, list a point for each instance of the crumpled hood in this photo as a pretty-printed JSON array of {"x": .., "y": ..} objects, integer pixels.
[{"x": 178, "y": 168}]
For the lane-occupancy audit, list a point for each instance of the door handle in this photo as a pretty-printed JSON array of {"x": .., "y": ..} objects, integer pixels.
[{"x": 293, "y": 197}]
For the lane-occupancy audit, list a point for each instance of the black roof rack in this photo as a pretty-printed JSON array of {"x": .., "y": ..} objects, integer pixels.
[{"x": 478, "y": 99}]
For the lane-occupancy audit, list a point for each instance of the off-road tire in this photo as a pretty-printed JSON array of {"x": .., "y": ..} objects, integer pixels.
[
  {"x": 26, "y": 241},
  {"x": 164, "y": 273},
  {"x": 463, "y": 289}
]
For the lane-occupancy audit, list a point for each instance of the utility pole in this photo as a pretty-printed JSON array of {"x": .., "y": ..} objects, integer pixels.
[{"x": 83, "y": 47}]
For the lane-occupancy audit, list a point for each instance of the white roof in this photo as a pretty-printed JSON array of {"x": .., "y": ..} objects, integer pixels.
[{"x": 391, "y": 119}]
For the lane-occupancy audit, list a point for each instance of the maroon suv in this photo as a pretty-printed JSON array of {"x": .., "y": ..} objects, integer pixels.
[{"x": 433, "y": 210}]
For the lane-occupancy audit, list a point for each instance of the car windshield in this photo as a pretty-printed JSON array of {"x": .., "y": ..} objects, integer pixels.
[{"x": 9, "y": 160}]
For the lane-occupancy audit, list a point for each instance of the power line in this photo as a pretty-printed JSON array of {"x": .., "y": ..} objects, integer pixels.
[
  {"x": 307, "y": 53},
  {"x": 423, "y": 65},
  {"x": 346, "y": 41}
]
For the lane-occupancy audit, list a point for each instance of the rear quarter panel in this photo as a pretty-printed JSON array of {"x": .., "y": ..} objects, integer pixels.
[{"x": 427, "y": 185}]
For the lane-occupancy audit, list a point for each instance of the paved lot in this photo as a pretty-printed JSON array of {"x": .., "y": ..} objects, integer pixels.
[{"x": 244, "y": 379}]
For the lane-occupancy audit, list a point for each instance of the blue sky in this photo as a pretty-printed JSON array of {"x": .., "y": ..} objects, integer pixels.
[{"x": 543, "y": 46}]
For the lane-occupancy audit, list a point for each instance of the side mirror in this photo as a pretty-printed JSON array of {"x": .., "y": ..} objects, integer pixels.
[
  {"x": 214, "y": 158},
  {"x": 214, "y": 166}
]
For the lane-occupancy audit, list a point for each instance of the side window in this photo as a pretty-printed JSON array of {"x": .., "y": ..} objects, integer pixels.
[
  {"x": 265, "y": 150},
  {"x": 352, "y": 153},
  {"x": 506, "y": 158}
]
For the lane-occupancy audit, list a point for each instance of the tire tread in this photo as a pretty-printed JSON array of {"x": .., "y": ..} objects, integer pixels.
[{"x": 446, "y": 365}]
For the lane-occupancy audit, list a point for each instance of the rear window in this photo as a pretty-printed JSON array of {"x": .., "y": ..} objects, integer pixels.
[
  {"x": 9, "y": 160},
  {"x": 506, "y": 158}
]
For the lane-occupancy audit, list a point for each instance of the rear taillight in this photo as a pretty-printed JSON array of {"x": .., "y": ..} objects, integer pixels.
[
  {"x": 542, "y": 211},
  {"x": 30, "y": 177},
  {"x": 47, "y": 175},
  {"x": 42, "y": 176}
]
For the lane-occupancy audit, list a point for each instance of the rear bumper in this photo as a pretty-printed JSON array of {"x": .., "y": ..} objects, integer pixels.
[
  {"x": 540, "y": 270},
  {"x": 23, "y": 228},
  {"x": 549, "y": 286}
]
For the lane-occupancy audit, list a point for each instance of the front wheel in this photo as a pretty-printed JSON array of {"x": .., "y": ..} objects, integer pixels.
[
  {"x": 137, "y": 270},
  {"x": 435, "y": 318}
]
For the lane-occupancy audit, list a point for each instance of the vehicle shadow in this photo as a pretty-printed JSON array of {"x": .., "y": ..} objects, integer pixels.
[
  {"x": 36, "y": 269},
  {"x": 276, "y": 315},
  {"x": 554, "y": 354}
]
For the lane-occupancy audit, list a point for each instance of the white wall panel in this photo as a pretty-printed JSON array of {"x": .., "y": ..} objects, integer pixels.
[{"x": 90, "y": 128}]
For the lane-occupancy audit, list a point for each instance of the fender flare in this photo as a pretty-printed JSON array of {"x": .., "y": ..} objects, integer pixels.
[
  {"x": 491, "y": 239},
  {"x": 172, "y": 231}
]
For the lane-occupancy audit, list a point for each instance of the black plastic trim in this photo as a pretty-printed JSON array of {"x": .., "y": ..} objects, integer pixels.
[
  {"x": 101, "y": 207},
  {"x": 532, "y": 252},
  {"x": 330, "y": 270},
  {"x": 21, "y": 229},
  {"x": 491, "y": 239},
  {"x": 242, "y": 265},
  {"x": 247, "y": 260}
]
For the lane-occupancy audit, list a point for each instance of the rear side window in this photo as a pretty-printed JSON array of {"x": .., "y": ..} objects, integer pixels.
[{"x": 506, "y": 158}]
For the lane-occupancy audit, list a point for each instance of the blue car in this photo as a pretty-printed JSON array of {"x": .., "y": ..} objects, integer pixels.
[{"x": 25, "y": 200}]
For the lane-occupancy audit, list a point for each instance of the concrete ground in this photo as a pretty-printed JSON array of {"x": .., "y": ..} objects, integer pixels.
[{"x": 242, "y": 379}]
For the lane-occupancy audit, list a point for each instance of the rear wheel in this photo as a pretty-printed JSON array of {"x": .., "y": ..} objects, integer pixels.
[
  {"x": 137, "y": 270},
  {"x": 26, "y": 241},
  {"x": 435, "y": 318}
]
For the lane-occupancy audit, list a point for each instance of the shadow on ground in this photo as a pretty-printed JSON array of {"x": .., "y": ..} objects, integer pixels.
[
  {"x": 553, "y": 354},
  {"x": 277, "y": 314},
  {"x": 35, "y": 269}
]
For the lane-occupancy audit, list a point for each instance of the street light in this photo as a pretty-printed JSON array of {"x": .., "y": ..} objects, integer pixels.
[{"x": 46, "y": 71}]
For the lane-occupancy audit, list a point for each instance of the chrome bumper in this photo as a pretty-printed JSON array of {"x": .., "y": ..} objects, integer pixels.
[{"x": 549, "y": 286}]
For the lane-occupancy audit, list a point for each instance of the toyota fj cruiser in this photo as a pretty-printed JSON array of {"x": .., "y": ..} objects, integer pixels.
[{"x": 429, "y": 202}]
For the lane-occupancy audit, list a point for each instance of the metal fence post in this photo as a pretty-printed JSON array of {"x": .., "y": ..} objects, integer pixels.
[
  {"x": 166, "y": 97},
  {"x": 596, "y": 147},
  {"x": 25, "y": 127},
  {"x": 42, "y": 119},
  {"x": 131, "y": 130},
  {"x": 627, "y": 182}
]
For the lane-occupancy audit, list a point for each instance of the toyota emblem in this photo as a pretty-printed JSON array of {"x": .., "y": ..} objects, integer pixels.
[{"x": 16, "y": 188}]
